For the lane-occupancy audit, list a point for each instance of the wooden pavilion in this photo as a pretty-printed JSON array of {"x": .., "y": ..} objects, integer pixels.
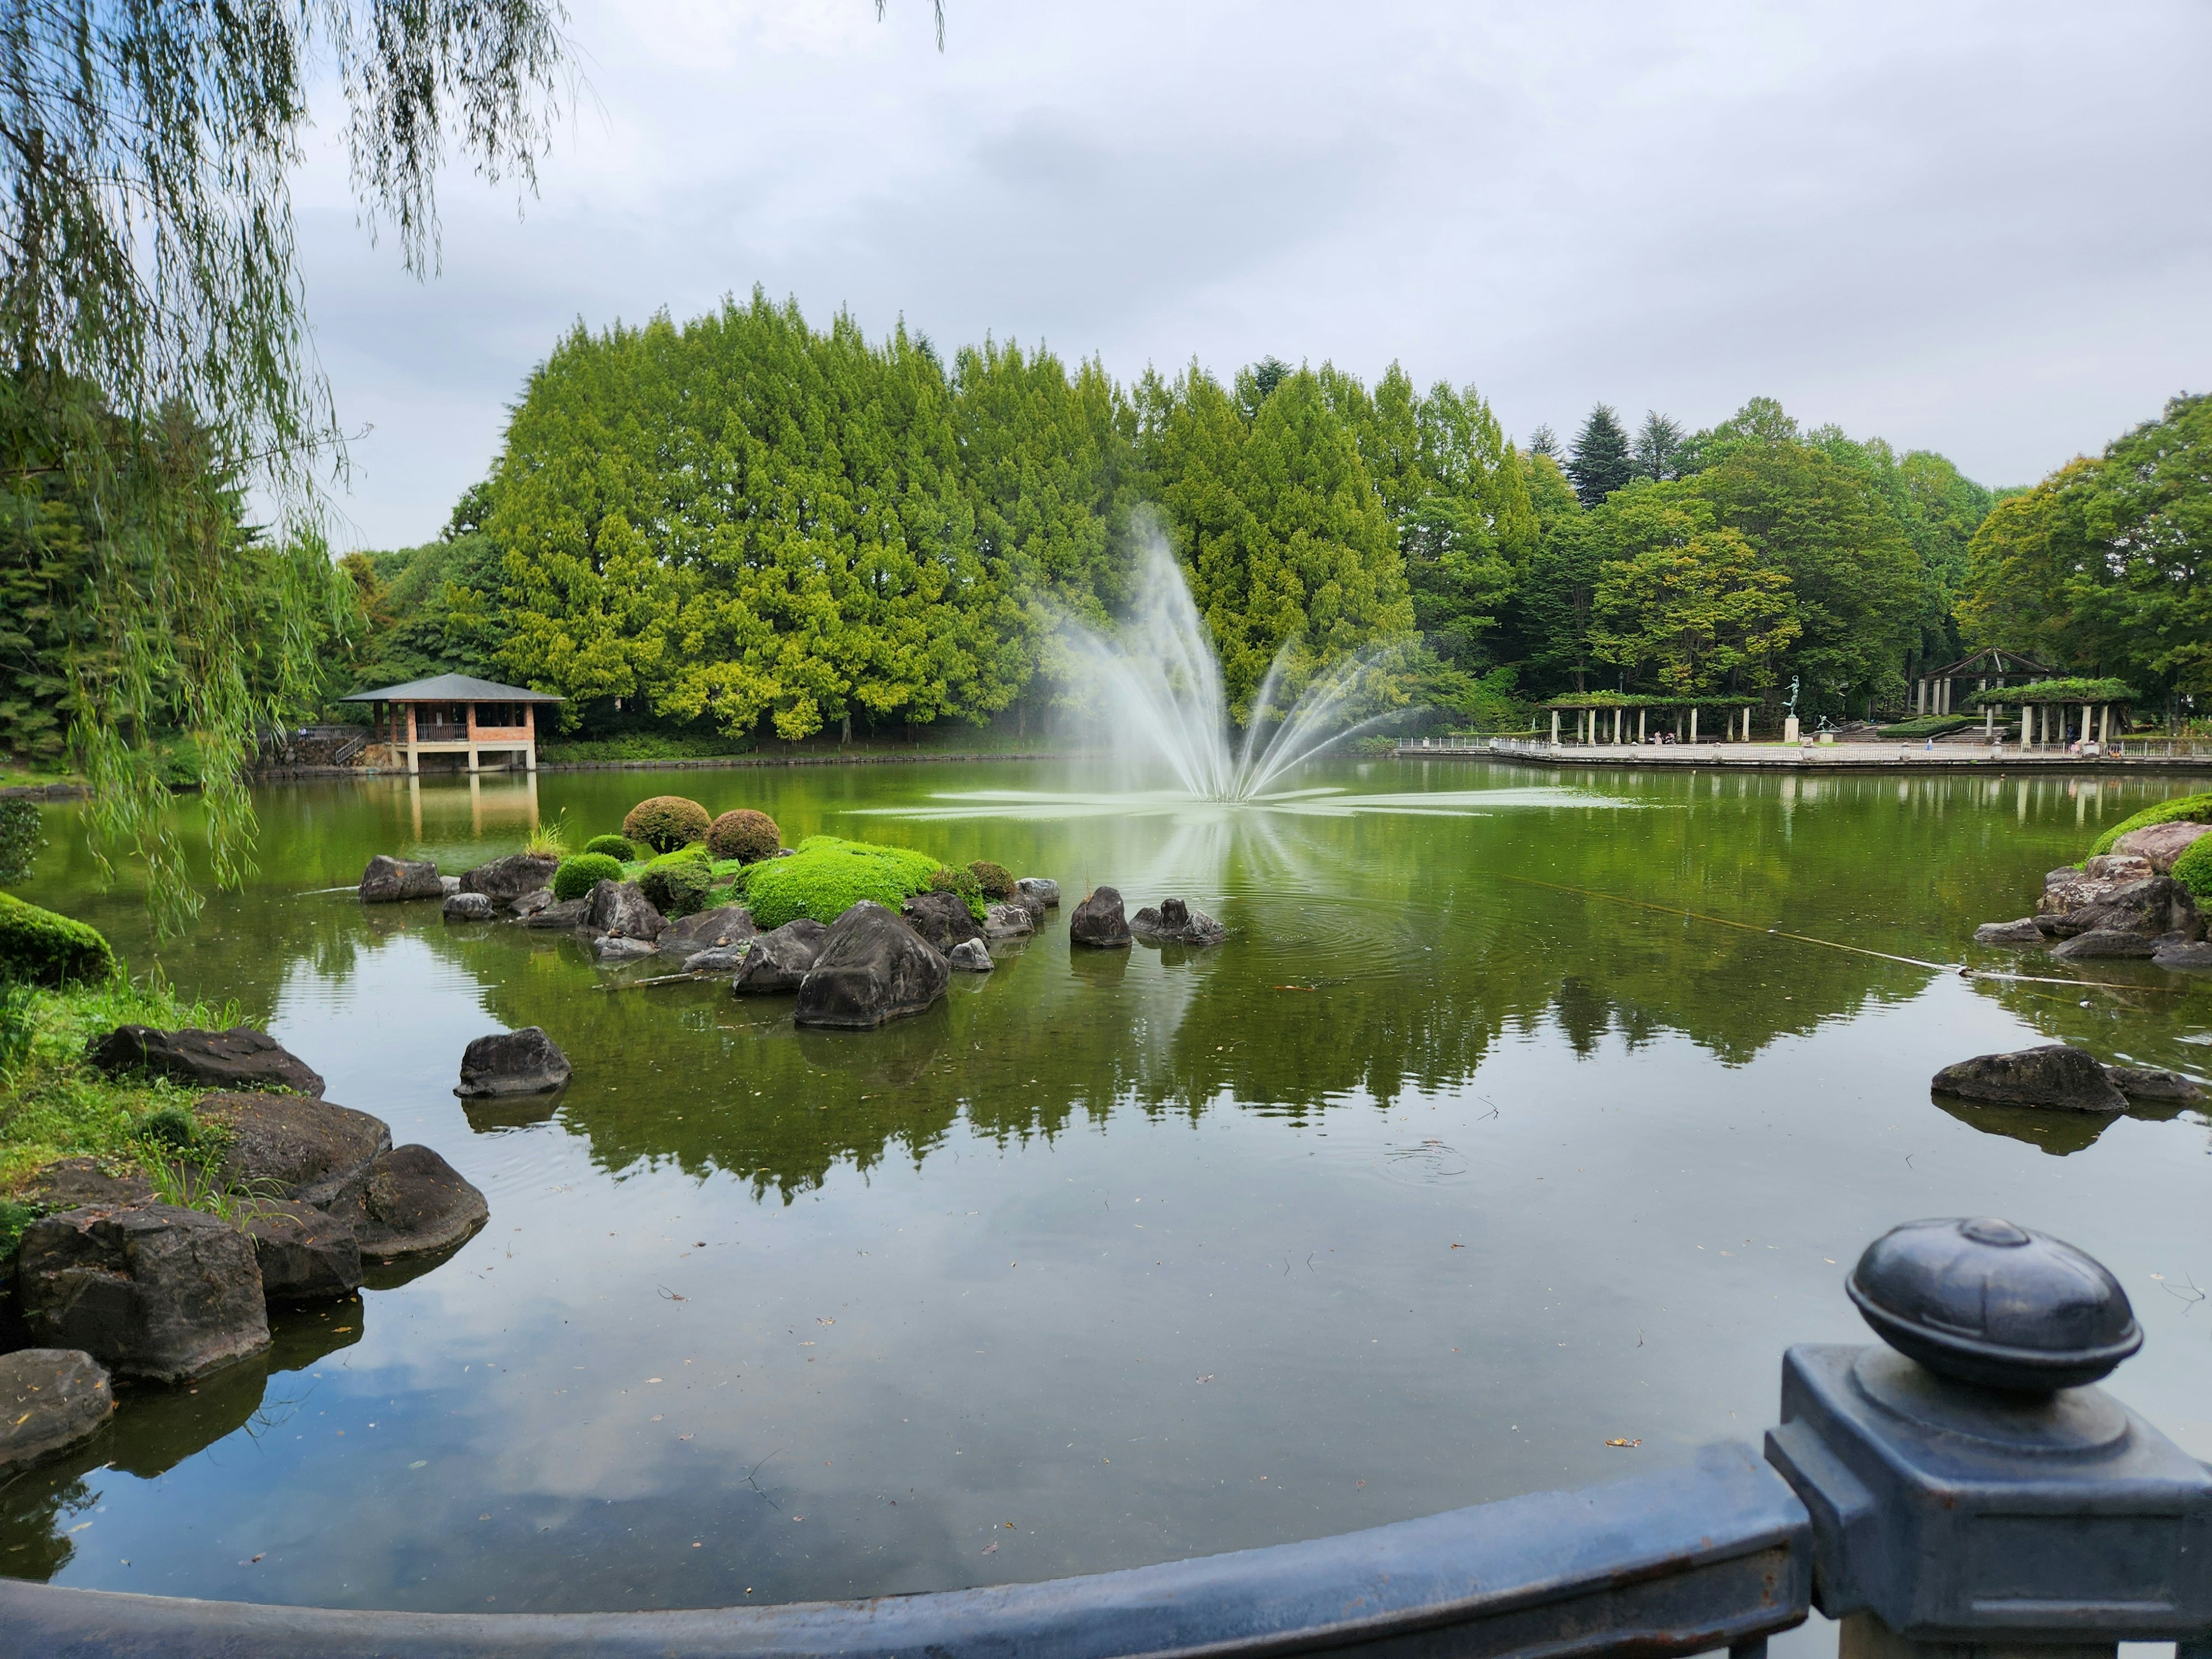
[
  {"x": 457, "y": 715},
  {"x": 1939, "y": 690}
]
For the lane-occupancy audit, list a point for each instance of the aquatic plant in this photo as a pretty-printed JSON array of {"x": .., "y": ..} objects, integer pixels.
[
  {"x": 665, "y": 822},
  {"x": 577, "y": 876},
  {"x": 826, "y": 876},
  {"x": 744, "y": 835}
]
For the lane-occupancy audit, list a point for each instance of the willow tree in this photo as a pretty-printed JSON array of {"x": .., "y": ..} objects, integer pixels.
[{"x": 158, "y": 355}]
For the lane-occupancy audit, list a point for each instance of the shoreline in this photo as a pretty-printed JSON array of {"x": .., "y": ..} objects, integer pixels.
[{"x": 1826, "y": 757}]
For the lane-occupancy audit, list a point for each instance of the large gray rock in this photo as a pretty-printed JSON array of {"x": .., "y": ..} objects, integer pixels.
[
  {"x": 1042, "y": 889},
  {"x": 2160, "y": 844},
  {"x": 943, "y": 919},
  {"x": 51, "y": 1399},
  {"x": 155, "y": 1290},
  {"x": 2158, "y": 905},
  {"x": 285, "y": 1146},
  {"x": 2118, "y": 867},
  {"x": 239, "y": 1058},
  {"x": 305, "y": 1254},
  {"x": 448, "y": 886},
  {"x": 2100, "y": 942},
  {"x": 466, "y": 907},
  {"x": 1011, "y": 920},
  {"x": 414, "y": 1203},
  {"x": 715, "y": 959},
  {"x": 2056, "y": 1075},
  {"x": 505, "y": 880},
  {"x": 620, "y": 908},
  {"x": 723, "y": 926},
  {"x": 969, "y": 956},
  {"x": 1099, "y": 922},
  {"x": 531, "y": 904},
  {"x": 872, "y": 968},
  {"x": 778, "y": 961},
  {"x": 568, "y": 912},
  {"x": 2149, "y": 1082},
  {"x": 73, "y": 1184},
  {"x": 388, "y": 880},
  {"x": 1175, "y": 923},
  {"x": 613, "y": 949},
  {"x": 2025, "y": 931},
  {"x": 2183, "y": 958},
  {"x": 523, "y": 1063},
  {"x": 2069, "y": 889}
]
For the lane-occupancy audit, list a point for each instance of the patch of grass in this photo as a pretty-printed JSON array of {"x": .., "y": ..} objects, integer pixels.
[
  {"x": 825, "y": 877},
  {"x": 2182, "y": 809},
  {"x": 1925, "y": 725}
]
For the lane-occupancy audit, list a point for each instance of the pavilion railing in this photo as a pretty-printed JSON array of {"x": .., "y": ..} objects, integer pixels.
[{"x": 426, "y": 733}]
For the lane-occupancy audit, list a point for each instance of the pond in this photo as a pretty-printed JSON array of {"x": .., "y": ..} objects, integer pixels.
[{"x": 1522, "y": 1112}]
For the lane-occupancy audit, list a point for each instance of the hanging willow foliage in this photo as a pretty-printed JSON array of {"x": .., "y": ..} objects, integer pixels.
[{"x": 157, "y": 360}]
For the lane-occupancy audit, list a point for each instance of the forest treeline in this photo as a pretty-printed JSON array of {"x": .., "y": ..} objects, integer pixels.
[{"x": 747, "y": 525}]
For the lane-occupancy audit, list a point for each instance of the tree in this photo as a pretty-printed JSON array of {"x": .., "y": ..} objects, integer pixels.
[
  {"x": 1659, "y": 447},
  {"x": 1558, "y": 594},
  {"x": 1688, "y": 602},
  {"x": 1543, "y": 441},
  {"x": 1600, "y": 463}
]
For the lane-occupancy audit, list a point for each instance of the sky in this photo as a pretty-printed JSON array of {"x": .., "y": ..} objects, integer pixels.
[{"x": 1976, "y": 228}]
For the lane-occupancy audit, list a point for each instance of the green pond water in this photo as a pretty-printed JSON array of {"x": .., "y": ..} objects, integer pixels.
[{"x": 1471, "y": 1150}]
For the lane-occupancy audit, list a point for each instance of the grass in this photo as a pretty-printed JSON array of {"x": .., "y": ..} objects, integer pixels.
[
  {"x": 642, "y": 746},
  {"x": 2192, "y": 809},
  {"x": 1926, "y": 725}
]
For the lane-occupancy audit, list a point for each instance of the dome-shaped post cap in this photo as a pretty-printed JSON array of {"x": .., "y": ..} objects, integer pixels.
[{"x": 1985, "y": 1302}]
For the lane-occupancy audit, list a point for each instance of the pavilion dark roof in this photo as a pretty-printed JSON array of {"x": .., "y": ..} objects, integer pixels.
[{"x": 452, "y": 688}]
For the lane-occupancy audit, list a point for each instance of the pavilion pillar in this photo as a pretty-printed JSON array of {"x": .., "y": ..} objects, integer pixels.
[
  {"x": 1639, "y": 728},
  {"x": 414, "y": 760},
  {"x": 2104, "y": 724},
  {"x": 1555, "y": 728},
  {"x": 2026, "y": 714},
  {"x": 530, "y": 726},
  {"x": 1920, "y": 697},
  {"x": 1989, "y": 719},
  {"x": 1693, "y": 722},
  {"x": 476, "y": 756}
]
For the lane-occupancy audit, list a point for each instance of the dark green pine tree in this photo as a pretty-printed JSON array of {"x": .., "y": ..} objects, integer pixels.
[{"x": 1600, "y": 462}]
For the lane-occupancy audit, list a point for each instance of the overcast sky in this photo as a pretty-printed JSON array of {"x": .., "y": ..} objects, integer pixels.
[{"x": 1980, "y": 228}]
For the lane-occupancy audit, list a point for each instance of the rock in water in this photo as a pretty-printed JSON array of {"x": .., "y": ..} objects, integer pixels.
[
  {"x": 388, "y": 880},
  {"x": 2056, "y": 1075},
  {"x": 2103, "y": 942},
  {"x": 449, "y": 886},
  {"x": 2026, "y": 931},
  {"x": 1099, "y": 922},
  {"x": 1010, "y": 921},
  {"x": 723, "y": 926},
  {"x": 970, "y": 955},
  {"x": 621, "y": 908},
  {"x": 155, "y": 1290},
  {"x": 415, "y": 1203},
  {"x": 2149, "y": 1083},
  {"x": 1175, "y": 923},
  {"x": 943, "y": 919},
  {"x": 2158, "y": 905},
  {"x": 531, "y": 904},
  {"x": 523, "y": 1063},
  {"x": 49, "y": 1400},
  {"x": 505, "y": 880},
  {"x": 2118, "y": 867},
  {"x": 776, "y": 963},
  {"x": 283, "y": 1146},
  {"x": 613, "y": 948},
  {"x": 2160, "y": 844},
  {"x": 239, "y": 1058},
  {"x": 305, "y": 1254},
  {"x": 715, "y": 959},
  {"x": 1042, "y": 889},
  {"x": 570, "y": 913},
  {"x": 467, "y": 907},
  {"x": 872, "y": 968},
  {"x": 2182, "y": 957}
]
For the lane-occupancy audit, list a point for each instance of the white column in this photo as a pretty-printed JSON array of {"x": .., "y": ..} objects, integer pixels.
[
  {"x": 2024, "y": 715},
  {"x": 1555, "y": 728},
  {"x": 1693, "y": 722},
  {"x": 1920, "y": 697},
  {"x": 1639, "y": 728}
]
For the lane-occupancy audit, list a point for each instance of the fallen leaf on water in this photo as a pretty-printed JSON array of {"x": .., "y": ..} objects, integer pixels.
[
  {"x": 1208, "y": 1377},
  {"x": 990, "y": 1549},
  {"x": 1624, "y": 1443},
  {"x": 685, "y": 1437},
  {"x": 334, "y": 1329},
  {"x": 419, "y": 1463},
  {"x": 258, "y": 1557}
]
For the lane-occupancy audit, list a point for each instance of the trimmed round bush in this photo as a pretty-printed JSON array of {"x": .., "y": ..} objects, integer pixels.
[
  {"x": 666, "y": 823},
  {"x": 2182, "y": 809},
  {"x": 995, "y": 879},
  {"x": 2193, "y": 870},
  {"x": 38, "y": 947},
  {"x": 677, "y": 882},
  {"x": 612, "y": 847},
  {"x": 954, "y": 878},
  {"x": 744, "y": 835},
  {"x": 576, "y": 877},
  {"x": 826, "y": 876}
]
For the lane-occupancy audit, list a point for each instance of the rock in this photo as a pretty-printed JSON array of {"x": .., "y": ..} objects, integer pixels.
[
  {"x": 2160, "y": 844},
  {"x": 969, "y": 956},
  {"x": 570, "y": 913},
  {"x": 239, "y": 1058},
  {"x": 467, "y": 907},
  {"x": 504, "y": 880},
  {"x": 613, "y": 950},
  {"x": 2183, "y": 958},
  {"x": 776, "y": 963},
  {"x": 872, "y": 968},
  {"x": 155, "y": 1290},
  {"x": 1042, "y": 889},
  {"x": 2160, "y": 905},
  {"x": 49, "y": 1400},
  {"x": 723, "y": 926},
  {"x": 531, "y": 904},
  {"x": 621, "y": 908},
  {"x": 75, "y": 1183},
  {"x": 283, "y": 1146},
  {"x": 2103, "y": 942},
  {"x": 1029, "y": 905},
  {"x": 2053, "y": 1076},
  {"x": 1175, "y": 923},
  {"x": 388, "y": 880},
  {"x": 2067, "y": 889},
  {"x": 449, "y": 886},
  {"x": 2118, "y": 867},
  {"x": 943, "y": 919},
  {"x": 1099, "y": 922},
  {"x": 415, "y": 1203},
  {"x": 305, "y": 1254},
  {"x": 523, "y": 1063},
  {"x": 2026, "y": 931},
  {"x": 715, "y": 959},
  {"x": 1005, "y": 921},
  {"x": 2149, "y": 1083}
]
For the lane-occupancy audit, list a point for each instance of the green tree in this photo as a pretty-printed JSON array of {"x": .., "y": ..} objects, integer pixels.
[
  {"x": 1660, "y": 442},
  {"x": 1600, "y": 462},
  {"x": 1685, "y": 601}
]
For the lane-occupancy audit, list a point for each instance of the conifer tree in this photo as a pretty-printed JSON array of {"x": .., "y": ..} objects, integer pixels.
[{"x": 1600, "y": 463}]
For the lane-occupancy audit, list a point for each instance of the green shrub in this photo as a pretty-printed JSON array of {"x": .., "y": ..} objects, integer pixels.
[
  {"x": 2193, "y": 870},
  {"x": 677, "y": 882},
  {"x": 38, "y": 947},
  {"x": 19, "y": 838},
  {"x": 611, "y": 847},
  {"x": 995, "y": 879},
  {"x": 2182, "y": 809},
  {"x": 577, "y": 876},
  {"x": 666, "y": 823},
  {"x": 169, "y": 1128},
  {"x": 951, "y": 879},
  {"x": 1925, "y": 725},
  {"x": 826, "y": 876},
  {"x": 744, "y": 835}
]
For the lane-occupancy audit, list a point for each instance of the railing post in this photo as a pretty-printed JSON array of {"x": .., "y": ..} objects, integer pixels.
[{"x": 1972, "y": 1495}]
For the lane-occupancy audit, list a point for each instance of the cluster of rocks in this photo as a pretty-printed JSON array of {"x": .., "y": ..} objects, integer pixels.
[
  {"x": 112, "y": 1280},
  {"x": 2063, "y": 1078},
  {"x": 1098, "y": 923},
  {"x": 2123, "y": 903}
]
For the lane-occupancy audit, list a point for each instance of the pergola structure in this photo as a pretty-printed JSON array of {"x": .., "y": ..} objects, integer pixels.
[
  {"x": 1938, "y": 691},
  {"x": 1591, "y": 710},
  {"x": 2058, "y": 711},
  {"x": 457, "y": 715}
]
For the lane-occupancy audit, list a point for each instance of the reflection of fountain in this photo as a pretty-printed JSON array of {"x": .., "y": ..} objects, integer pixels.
[{"x": 1164, "y": 701}]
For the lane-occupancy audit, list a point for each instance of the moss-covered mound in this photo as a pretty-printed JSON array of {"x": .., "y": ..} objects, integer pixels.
[
  {"x": 612, "y": 847},
  {"x": 678, "y": 882},
  {"x": 38, "y": 947},
  {"x": 744, "y": 835},
  {"x": 826, "y": 876},
  {"x": 2182, "y": 809},
  {"x": 995, "y": 879},
  {"x": 577, "y": 876},
  {"x": 2193, "y": 870},
  {"x": 665, "y": 822}
]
